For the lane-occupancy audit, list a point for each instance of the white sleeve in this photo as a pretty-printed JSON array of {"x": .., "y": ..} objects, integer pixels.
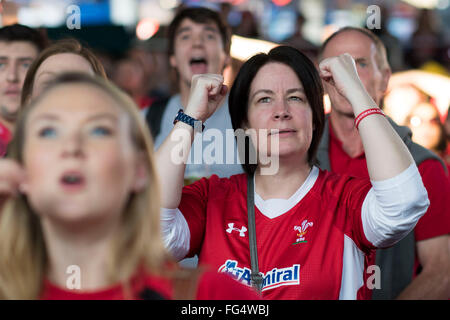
[
  {"x": 175, "y": 232},
  {"x": 393, "y": 207}
]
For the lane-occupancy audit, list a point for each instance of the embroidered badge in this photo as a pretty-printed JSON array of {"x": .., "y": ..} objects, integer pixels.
[{"x": 302, "y": 230}]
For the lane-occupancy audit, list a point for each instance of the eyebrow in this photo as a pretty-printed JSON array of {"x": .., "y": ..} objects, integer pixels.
[
  {"x": 362, "y": 59},
  {"x": 53, "y": 117},
  {"x": 205, "y": 28},
  {"x": 268, "y": 91},
  {"x": 20, "y": 58}
]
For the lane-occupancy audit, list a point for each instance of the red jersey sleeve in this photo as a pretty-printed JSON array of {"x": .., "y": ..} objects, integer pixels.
[
  {"x": 350, "y": 193},
  {"x": 436, "y": 220}
]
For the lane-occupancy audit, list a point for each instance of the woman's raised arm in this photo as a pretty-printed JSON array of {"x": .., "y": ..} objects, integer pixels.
[{"x": 207, "y": 94}]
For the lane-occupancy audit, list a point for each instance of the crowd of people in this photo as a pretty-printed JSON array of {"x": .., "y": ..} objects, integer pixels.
[{"x": 100, "y": 174}]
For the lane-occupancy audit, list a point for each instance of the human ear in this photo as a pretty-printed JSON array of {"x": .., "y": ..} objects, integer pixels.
[
  {"x": 386, "y": 75},
  {"x": 173, "y": 61}
]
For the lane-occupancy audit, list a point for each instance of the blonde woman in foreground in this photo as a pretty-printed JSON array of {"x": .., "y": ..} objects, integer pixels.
[{"x": 79, "y": 192}]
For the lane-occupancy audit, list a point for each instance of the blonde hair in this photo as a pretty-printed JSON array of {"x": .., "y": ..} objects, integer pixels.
[{"x": 23, "y": 257}]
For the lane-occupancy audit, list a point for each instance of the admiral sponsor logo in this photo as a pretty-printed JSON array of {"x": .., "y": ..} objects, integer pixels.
[{"x": 274, "y": 278}]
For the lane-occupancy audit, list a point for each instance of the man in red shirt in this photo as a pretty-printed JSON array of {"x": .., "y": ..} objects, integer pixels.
[
  {"x": 417, "y": 267},
  {"x": 19, "y": 46}
]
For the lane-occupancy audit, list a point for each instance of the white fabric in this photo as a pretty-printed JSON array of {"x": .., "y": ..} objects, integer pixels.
[
  {"x": 393, "y": 207},
  {"x": 273, "y": 208},
  {"x": 352, "y": 270},
  {"x": 175, "y": 232}
]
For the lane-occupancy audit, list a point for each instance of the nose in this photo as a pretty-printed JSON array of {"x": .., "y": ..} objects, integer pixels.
[
  {"x": 13, "y": 73},
  {"x": 197, "y": 40},
  {"x": 73, "y": 146},
  {"x": 281, "y": 111}
]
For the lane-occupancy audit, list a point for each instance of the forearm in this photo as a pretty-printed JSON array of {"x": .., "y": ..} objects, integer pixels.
[
  {"x": 386, "y": 154},
  {"x": 427, "y": 285},
  {"x": 171, "y": 160}
]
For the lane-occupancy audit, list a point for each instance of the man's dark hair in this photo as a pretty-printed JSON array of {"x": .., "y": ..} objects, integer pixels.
[
  {"x": 18, "y": 32},
  {"x": 306, "y": 73},
  {"x": 198, "y": 15}
]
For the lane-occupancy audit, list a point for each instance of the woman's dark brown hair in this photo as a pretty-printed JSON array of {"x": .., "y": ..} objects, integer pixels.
[
  {"x": 61, "y": 46},
  {"x": 306, "y": 73}
]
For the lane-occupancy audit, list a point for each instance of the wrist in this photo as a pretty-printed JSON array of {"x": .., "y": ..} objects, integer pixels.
[
  {"x": 360, "y": 100},
  {"x": 188, "y": 119}
]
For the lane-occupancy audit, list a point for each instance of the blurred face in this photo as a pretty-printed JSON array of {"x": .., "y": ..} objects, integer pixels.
[
  {"x": 130, "y": 77},
  {"x": 406, "y": 97},
  {"x": 198, "y": 49},
  {"x": 15, "y": 59},
  {"x": 277, "y": 102},
  {"x": 363, "y": 50},
  {"x": 424, "y": 123},
  {"x": 57, "y": 64},
  {"x": 78, "y": 156}
]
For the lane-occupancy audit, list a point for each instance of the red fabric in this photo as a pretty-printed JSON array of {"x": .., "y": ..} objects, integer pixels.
[
  {"x": 311, "y": 268},
  {"x": 145, "y": 102},
  {"x": 212, "y": 286},
  {"x": 436, "y": 221},
  {"x": 5, "y": 139}
]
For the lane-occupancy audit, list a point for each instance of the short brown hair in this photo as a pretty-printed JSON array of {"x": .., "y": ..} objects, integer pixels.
[
  {"x": 18, "y": 32},
  {"x": 61, "y": 46},
  {"x": 307, "y": 74},
  {"x": 198, "y": 15}
]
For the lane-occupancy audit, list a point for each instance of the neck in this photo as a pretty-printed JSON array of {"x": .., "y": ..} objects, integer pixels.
[
  {"x": 291, "y": 174},
  {"x": 8, "y": 125},
  {"x": 344, "y": 129},
  {"x": 185, "y": 90},
  {"x": 90, "y": 250}
]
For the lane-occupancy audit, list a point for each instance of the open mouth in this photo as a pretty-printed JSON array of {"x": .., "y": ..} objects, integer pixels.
[
  {"x": 72, "y": 180},
  {"x": 198, "y": 65}
]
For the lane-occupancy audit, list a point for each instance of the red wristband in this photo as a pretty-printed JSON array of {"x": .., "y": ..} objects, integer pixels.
[{"x": 366, "y": 113}]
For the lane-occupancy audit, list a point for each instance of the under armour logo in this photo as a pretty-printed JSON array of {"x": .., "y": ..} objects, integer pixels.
[{"x": 231, "y": 228}]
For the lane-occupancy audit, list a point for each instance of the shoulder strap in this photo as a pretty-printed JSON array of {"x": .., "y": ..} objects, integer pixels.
[
  {"x": 154, "y": 116},
  {"x": 255, "y": 277}
]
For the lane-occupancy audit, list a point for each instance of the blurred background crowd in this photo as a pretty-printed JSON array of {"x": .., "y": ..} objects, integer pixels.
[{"x": 129, "y": 36}]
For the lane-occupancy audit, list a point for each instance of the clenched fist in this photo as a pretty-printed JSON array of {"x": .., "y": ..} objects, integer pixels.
[{"x": 340, "y": 73}]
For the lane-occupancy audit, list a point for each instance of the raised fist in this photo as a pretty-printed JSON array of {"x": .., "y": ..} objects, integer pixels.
[
  {"x": 340, "y": 72},
  {"x": 207, "y": 94}
]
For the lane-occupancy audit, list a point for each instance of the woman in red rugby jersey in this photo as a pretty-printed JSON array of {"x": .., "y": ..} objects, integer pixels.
[{"x": 314, "y": 229}]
